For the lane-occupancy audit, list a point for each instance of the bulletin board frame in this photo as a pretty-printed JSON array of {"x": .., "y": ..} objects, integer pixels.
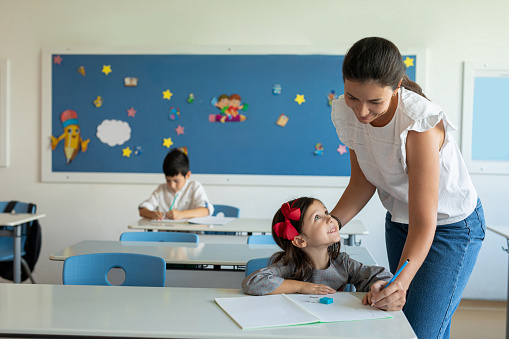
[
  {"x": 4, "y": 113},
  {"x": 480, "y": 138},
  {"x": 49, "y": 175}
]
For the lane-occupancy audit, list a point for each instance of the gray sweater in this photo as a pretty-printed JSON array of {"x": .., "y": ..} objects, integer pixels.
[{"x": 340, "y": 272}]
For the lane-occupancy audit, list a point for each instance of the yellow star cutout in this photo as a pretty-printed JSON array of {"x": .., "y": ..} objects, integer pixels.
[
  {"x": 167, "y": 142},
  {"x": 167, "y": 94},
  {"x": 106, "y": 69},
  {"x": 300, "y": 99},
  {"x": 409, "y": 62},
  {"x": 126, "y": 152}
]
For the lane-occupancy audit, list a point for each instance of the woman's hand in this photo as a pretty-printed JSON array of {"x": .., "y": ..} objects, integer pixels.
[
  {"x": 310, "y": 288},
  {"x": 393, "y": 298}
]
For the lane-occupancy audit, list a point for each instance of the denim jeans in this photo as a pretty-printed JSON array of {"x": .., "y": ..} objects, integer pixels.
[{"x": 435, "y": 291}]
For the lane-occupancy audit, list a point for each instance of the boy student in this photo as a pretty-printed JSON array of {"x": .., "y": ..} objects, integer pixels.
[{"x": 180, "y": 197}]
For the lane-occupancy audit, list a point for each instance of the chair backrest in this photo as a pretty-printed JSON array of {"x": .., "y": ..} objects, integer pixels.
[
  {"x": 228, "y": 211},
  {"x": 159, "y": 236},
  {"x": 255, "y": 264},
  {"x": 261, "y": 239},
  {"x": 92, "y": 269}
]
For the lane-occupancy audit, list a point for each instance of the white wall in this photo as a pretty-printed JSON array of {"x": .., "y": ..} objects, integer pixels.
[{"x": 452, "y": 31}]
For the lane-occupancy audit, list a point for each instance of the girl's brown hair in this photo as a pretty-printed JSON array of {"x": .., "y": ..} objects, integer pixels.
[
  {"x": 295, "y": 255},
  {"x": 377, "y": 60}
]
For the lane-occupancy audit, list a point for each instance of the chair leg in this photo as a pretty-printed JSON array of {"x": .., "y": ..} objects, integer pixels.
[{"x": 27, "y": 270}]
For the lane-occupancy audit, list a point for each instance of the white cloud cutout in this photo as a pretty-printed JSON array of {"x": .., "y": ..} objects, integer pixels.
[{"x": 113, "y": 132}]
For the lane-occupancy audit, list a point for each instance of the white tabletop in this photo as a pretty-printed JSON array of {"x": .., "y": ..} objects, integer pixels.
[
  {"x": 14, "y": 219},
  {"x": 193, "y": 253},
  {"x": 156, "y": 312},
  {"x": 354, "y": 227},
  {"x": 501, "y": 230}
]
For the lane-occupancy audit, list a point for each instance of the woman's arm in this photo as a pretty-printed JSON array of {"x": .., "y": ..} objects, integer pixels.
[
  {"x": 356, "y": 195},
  {"x": 423, "y": 156}
]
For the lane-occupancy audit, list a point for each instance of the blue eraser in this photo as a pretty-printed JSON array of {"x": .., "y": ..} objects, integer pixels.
[{"x": 326, "y": 300}]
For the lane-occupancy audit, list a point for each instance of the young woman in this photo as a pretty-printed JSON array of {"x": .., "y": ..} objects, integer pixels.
[{"x": 401, "y": 146}]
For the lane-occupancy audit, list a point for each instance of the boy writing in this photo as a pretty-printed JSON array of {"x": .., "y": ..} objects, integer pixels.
[{"x": 179, "y": 198}]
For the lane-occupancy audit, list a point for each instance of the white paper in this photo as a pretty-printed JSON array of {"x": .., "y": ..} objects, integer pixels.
[
  {"x": 296, "y": 309},
  {"x": 210, "y": 220},
  {"x": 171, "y": 221}
]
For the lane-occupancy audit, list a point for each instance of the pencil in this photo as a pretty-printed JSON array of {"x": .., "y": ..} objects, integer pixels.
[
  {"x": 173, "y": 203},
  {"x": 397, "y": 273}
]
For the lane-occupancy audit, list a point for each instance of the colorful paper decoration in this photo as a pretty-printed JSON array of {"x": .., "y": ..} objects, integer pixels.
[
  {"x": 229, "y": 107},
  {"x": 318, "y": 149},
  {"x": 409, "y": 62},
  {"x": 131, "y": 112},
  {"x": 341, "y": 149},
  {"x": 167, "y": 94},
  {"x": 331, "y": 97},
  {"x": 130, "y": 82},
  {"x": 174, "y": 113},
  {"x": 299, "y": 99},
  {"x": 81, "y": 70},
  {"x": 138, "y": 150},
  {"x": 113, "y": 132},
  {"x": 179, "y": 130},
  {"x": 57, "y": 59},
  {"x": 167, "y": 142},
  {"x": 190, "y": 98},
  {"x": 106, "y": 69},
  {"x": 276, "y": 89},
  {"x": 98, "y": 102},
  {"x": 282, "y": 120},
  {"x": 183, "y": 150},
  {"x": 126, "y": 152},
  {"x": 71, "y": 135}
]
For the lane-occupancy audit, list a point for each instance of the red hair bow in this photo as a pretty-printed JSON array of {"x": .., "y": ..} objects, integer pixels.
[{"x": 285, "y": 228}]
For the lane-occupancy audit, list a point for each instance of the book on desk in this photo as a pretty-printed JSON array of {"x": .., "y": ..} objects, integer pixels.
[{"x": 296, "y": 309}]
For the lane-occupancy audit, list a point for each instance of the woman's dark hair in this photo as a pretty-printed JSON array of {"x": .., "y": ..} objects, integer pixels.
[
  {"x": 377, "y": 60},
  {"x": 292, "y": 254}
]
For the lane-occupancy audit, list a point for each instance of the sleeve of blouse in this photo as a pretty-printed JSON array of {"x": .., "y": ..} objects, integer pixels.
[
  {"x": 265, "y": 280},
  {"x": 362, "y": 276}
]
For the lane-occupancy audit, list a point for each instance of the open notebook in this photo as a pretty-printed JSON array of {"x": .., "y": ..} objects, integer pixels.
[
  {"x": 296, "y": 309},
  {"x": 201, "y": 220}
]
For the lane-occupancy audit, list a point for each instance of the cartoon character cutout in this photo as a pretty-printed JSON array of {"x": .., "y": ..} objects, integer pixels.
[
  {"x": 71, "y": 136},
  {"x": 229, "y": 106}
]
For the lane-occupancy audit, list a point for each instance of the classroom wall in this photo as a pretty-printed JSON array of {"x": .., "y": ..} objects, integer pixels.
[{"x": 451, "y": 31}]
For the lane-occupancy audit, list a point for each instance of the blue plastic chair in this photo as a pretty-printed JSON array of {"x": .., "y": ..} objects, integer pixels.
[
  {"x": 227, "y": 211},
  {"x": 255, "y": 264},
  {"x": 160, "y": 236},
  {"x": 261, "y": 239},
  {"x": 7, "y": 241},
  {"x": 92, "y": 269}
]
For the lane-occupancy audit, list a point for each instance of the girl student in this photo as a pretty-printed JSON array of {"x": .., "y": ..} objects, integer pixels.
[
  {"x": 311, "y": 262},
  {"x": 401, "y": 146}
]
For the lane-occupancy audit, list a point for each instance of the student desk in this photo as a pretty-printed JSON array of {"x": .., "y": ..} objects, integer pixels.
[
  {"x": 155, "y": 312},
  {"x": 192, "y": 253},
  {"x": 16, "y": 220},
  {"x": 504, "y": 231},
  {"x": 248, "y": 225}
]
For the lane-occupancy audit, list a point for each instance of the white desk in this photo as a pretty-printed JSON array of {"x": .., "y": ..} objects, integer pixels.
[
  {"x": 156, "y": 312},
  {"x": 248, "y": 225},
  {"x": 192, "y": 253},
  {"x": 504, "y": 231},
  {"x": 16, "y": 220}
]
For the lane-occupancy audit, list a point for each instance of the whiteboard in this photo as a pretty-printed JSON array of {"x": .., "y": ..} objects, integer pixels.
[
  {"x": 484, "y": 134},
  {"x": 254, "y": 152}
]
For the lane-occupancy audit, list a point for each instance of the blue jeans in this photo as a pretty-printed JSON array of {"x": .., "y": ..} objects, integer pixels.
[{"x": 435, "y": 291}]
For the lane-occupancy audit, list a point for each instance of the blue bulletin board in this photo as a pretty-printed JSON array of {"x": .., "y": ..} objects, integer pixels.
[
  {"x": 131, "y": 108},
  {"x": 484, "y": 142}
]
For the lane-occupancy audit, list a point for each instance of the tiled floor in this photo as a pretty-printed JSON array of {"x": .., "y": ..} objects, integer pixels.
[{"x": 479, "y": 320}]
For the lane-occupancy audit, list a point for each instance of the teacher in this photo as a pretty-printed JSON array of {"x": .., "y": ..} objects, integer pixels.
[{"x": 401, "y": 146}]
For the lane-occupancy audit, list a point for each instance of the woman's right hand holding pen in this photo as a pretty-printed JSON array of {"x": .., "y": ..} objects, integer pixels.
[{"x": 392, "y": 298}]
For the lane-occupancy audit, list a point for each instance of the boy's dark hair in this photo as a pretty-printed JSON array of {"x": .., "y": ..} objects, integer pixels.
[
  {"x": 175, "y": 163},
  {"x": 377, "y": 60},
  {"x": 292, "y": 254}
]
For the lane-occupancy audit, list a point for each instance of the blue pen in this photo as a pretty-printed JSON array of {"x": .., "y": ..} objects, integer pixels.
[
  {"x": 176, "y": 195},
  {"x": 397, "y": 273}
]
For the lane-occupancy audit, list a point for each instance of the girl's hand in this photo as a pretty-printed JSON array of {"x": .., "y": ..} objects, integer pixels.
[
  {"x": 393, "y": 298},
  {"x": 310, "y": 288}
]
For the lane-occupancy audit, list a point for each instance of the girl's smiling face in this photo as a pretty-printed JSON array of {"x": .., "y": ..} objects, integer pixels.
[{"x": 319, "y": 227}]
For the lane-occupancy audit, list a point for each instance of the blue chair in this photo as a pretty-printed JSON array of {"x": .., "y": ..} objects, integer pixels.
[
  {"x": 159, "y": 236},
  {"x": 255, "y": 264},
  {"x": 227, "y": 211},
  {"x": 92, "y": 269},
  {"x": 6, "y": 237},
  {"x": 261, "y": 239}
]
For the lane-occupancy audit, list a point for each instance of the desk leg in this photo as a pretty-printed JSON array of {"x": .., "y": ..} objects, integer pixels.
[
  {"x": 16, "y": 269},
  {"x": 507, "y": 308},
  {"x": 350, "y": 241}
]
